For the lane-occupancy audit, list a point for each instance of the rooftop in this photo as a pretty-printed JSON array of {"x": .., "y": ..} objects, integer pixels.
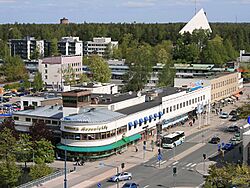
[
  {"x": 93, "y": 115},
  {"x": 150, "y": 104},
  {"x": 45, "y": 95},
  {"x": 110, "y": 98},
  {"x": 54, "y": 112}
]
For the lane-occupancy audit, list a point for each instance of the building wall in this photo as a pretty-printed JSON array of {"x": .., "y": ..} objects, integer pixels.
[{"x": 224, "y": 86}]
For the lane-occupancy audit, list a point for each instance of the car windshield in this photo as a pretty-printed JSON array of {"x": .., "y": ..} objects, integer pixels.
[
  {"x": 126, "y": 185},
  {"x": 224, "y": 113}
]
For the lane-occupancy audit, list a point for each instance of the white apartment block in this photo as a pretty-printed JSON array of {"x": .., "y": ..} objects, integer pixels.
[
  {"x": 99, "y": 45},
  {"x": 70, "y": 46},
  {"x": 54, "y": 70}
]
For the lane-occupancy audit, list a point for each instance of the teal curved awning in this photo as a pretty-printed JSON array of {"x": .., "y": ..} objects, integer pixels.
[{"x": 117, "y": 144}]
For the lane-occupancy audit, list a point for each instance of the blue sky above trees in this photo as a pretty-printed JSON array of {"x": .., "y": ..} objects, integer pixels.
[{"x": 147, "y": 11}]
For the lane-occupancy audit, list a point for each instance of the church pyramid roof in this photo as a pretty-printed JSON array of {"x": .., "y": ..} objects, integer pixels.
[{"x": 199, "y": 21}]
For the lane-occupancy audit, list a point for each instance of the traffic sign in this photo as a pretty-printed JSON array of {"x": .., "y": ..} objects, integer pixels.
[
  {"x": 159, "y": 157},
  {"x": 99, "y": 185}
]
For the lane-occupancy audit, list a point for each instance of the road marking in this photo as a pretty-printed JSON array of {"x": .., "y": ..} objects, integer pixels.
[
  {"x": 193, "y": 165},
  {"x": 146, "y": 186},
  {"x": 188, "y": 164},
  {"x": 163, "y": 162},
  {"x": 175, "y": 162}
]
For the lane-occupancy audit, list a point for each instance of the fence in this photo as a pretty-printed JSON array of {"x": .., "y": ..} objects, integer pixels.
[{"x": 43, "y": 179}]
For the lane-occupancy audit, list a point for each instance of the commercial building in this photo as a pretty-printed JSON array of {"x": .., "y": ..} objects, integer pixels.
[
  {"x": 26, "y": 46},
  {"x": 99, "y": 46},
  {"x": 70, "y": 46},
  {"x": 223, "y": 84},
  {"x": 99, "y": 126},
  {"x": 244, "y": 56},
  {"x": 56, "y": 70},
  {"x": 50, "y": 115}
]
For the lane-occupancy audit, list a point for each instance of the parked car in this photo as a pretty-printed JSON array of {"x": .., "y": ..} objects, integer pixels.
[
  {"x": 121, "y": 176},
  {"x": 215, "y": 140},
  {"x": 130, "y": 185},
  {"x": 228, "y": 146},
  {"x": 234, "y": 118},
  {"x": 233, "y": 112},
  {"x": 224, "y": 115},
  {"x": 237, "y": 136},
  {"x": 234, "y": 141},
  {"x": 233, "y": 128}
]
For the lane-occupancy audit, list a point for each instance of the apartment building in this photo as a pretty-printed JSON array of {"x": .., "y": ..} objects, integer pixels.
[
  {"x": 26, "y": 46},
  {"x": 99, "y": 46},
  {"x": 56, "y": 70},
  {"x": 70, "y": 46}
]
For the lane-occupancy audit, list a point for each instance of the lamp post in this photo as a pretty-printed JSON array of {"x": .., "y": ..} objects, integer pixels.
[{"x": 65, "y": 166}]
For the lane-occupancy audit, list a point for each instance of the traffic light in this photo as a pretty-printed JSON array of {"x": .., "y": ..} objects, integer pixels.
[
  {"x": 204, "y": 156},
  {"x": 122, "y": 165},
  {"x": 174, "y": 170}
]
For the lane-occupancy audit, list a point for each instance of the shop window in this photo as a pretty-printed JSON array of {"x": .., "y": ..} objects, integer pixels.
[
  {"x": 192, "y": 101},
  {"x": 177, "y": 106},
  {"x": 195, "y": 100},
  {"x": 16, "y": 118},
  {"x": 183, "y": 104},
  {"x": 174, "y": 108},
  {"x": 164, "y": 111},
  {"x": 170, "y": 108},
  {"x": 54, "y": 122},
  {"x": 167, "y": 110},
  {"x": 28, "y": 119},
  {"x": 186, "y": 103}
]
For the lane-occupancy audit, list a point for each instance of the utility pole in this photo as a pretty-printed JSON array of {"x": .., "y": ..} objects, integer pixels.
[{"x": 65, "y": 167}]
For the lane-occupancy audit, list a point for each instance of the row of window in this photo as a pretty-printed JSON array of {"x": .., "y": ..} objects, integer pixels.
[
  {"x": 51, "y": 122},
  {"x": 224, "y": 83},
  {"x": 95, "y": 136},
  {"x": 183, "y": 104},
  {"x": 226, "y": 92}
]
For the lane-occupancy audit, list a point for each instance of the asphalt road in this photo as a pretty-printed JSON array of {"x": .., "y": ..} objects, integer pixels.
[{"x": 150, "y": 174}]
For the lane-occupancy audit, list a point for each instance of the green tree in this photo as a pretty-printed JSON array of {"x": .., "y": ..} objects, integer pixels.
[
  {"x": 69, "y": 75},
  {"x": 14, "y": 69},
  {"x": 43, "y": 151},
  {"x": 228, "y": 175},
  {"x": 108, "y": 51},
  {"x": 83, "y": 78},
  {"x": 7, "y": 144},
  {"x": 166, "y": 75},
  {"x": 4, "y": 49},
  {"x": 9, "y": 172},
  {"x": 38, "y": 82},
  {"x": 140, "y": 67},
  {"x": 100, "y": 69},
  {"x": 40, "y": 170},
  {"x": 35, "y": 54},
  {"x": 54, "y": 47},
  {"x": 24, "y": 149},
  {"x": 14, "y": 33}
]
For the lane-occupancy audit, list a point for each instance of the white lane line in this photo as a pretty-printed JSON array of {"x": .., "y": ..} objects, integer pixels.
[
  {"x": 175, "y": 162},
  {"x": 188, "y": 164},
  {"x": 146, "y": 186},
  {"x": 163, "y": 162},
  {"x": 193, "y": 165}
]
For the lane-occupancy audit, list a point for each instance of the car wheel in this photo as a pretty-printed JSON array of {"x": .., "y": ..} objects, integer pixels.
[
  {"x": 117, "y": 180},
  {"x": 174, "y": 145},
  {"x": 129, "y": 178}
]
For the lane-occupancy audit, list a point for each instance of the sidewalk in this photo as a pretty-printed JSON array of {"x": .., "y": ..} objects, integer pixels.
[
  {"x": 92, "y": 172},
  {"x": 203, "y": 167}
]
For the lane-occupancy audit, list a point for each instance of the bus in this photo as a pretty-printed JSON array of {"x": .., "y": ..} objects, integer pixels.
[{"x": 172, "y": 140}]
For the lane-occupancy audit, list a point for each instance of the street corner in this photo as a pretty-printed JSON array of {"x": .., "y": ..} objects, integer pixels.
[{"x": 203, "y": 167}]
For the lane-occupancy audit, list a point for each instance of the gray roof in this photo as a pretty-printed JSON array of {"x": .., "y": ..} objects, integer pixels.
[
  {"x": 150, "y": 104},
  {"x": 54, "y": 112},
  {"x": 93, "y": 115}
]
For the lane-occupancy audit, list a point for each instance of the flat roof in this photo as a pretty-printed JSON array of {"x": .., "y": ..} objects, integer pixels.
[
  {"x": 93, "y": 115},
  {"x": 113, "y": 98},
  {"x": 155, "y": 102},
  {"x": 207, "y": 77},
  {"x": 53, "y": 111}
]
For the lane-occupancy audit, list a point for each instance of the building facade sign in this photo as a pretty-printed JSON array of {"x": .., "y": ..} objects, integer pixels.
[{"x": 98, "y": 128}]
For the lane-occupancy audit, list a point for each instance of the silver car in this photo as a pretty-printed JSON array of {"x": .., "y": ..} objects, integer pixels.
[{"x": 121, "y": 176}]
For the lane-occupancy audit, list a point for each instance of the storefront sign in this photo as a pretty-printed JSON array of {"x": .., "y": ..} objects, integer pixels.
[
  {"x": 71, "y": 128},
  {"x": 98, "y": 128}
]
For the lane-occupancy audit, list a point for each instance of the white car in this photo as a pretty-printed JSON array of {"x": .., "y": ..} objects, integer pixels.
[
  {"x": 121, "y": 176},
  {"x": 224, "y": 115}
]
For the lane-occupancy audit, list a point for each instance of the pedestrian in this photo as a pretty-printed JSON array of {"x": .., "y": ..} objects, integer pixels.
[
  {"x": 193, "y": 120},
  {"x": 152, "y": 145},
  {"x": 136, "y": 148}
]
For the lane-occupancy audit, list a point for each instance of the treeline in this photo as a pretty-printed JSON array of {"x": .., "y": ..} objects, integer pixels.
[{"x": 238, "y": 34}]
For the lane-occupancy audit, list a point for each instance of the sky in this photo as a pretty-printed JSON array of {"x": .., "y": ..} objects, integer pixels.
[{"x": 107, "y": 11}]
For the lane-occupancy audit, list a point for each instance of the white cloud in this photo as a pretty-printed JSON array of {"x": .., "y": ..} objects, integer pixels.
[
  {"x": 241, "y": 1},
  {"x": 139, "y": 4}
]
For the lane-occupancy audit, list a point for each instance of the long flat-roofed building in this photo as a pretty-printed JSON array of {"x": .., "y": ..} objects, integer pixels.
[{"x": 95, "y": 126}]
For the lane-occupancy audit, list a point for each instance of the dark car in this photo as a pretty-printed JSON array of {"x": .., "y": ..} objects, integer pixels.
[
  {"x": 233, "y": 128},
  {"x": 233, "y": 112},
  {"x": 215, "y": 140},
  {"x": 228, "y": 146},
  {"x": 130, "y": 185},
  {"x": 234, "y": 118}
]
